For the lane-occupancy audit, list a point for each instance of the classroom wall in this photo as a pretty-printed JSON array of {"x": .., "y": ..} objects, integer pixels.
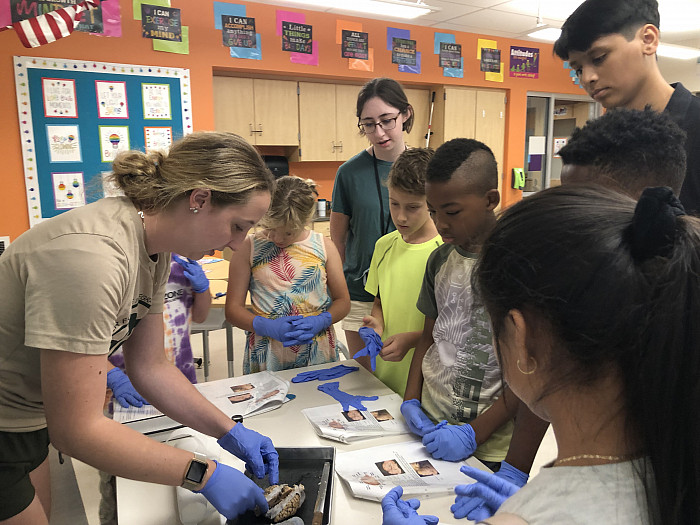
[{"x": 208, "y": 56}]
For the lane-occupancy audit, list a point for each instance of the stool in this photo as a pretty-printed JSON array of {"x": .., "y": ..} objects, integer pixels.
[{"x": 216, "y": 320}]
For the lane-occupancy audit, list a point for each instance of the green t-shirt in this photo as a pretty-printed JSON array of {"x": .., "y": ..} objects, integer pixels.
[
  {"x": 355, "y": 195},
  {"x": 395, "y": 275}
]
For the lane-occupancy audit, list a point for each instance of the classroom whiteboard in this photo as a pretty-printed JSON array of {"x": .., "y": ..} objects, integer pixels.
[{"x": 76, "y": 116}]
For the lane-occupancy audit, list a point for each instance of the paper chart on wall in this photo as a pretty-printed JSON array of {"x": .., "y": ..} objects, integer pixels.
[
  {"x": 109, "y": 188},
  {"x": 64, "y": 143},
  {"x": 113, "y": 140},
  {"x": 68, "y": 190},
  {"x": 59, "y": 98},
  {"x": 158, "y": 138},
  {"x": 111, "y": 99},
  {"x": 156, "y": 101}
]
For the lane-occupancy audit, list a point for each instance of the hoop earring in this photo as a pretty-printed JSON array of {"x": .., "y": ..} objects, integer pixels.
[
  {"x": 194, "y": 210},
  {"x": 522, "y": 371}
]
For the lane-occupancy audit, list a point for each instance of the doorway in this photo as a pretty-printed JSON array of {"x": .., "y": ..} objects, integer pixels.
[{"x": 551, "y": 119}]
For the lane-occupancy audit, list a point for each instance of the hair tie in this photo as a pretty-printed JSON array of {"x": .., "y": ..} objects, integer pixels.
[{"x": 653, "y": 229}]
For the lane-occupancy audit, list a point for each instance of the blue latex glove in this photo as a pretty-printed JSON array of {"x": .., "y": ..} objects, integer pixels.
[
  {"x": 345, "y": 399},
  {"x": 256, "y": 450},
  {"x": 195, "y": 274},
  {"x": 122, "y": 389},
  {"x": 275, "y": 328},
  {"x": 396, "y": 511},
  {"x": 324, "y": 374},
  {"x": 306, "y": 328},
  {"x": 232, "y": 493},
  {"x": 483, "y": 510},
  {"x": 482, "y": 499},
  {"x": 373, "y": 345},
  {"x": 451, "y": 442},
  {"x": 417, "y": 421}
]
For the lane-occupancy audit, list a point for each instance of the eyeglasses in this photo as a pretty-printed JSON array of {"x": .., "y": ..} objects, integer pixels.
[{"x": 386, "y": 124}]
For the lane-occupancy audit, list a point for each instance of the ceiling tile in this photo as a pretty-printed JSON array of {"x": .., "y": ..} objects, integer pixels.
[
  {"x": 449, "y": 26},
  {"x": 489, "y": 20}
]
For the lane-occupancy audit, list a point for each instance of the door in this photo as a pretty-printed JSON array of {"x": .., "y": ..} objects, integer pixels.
[
  {"x": 234, "y": 103},
  {"x": 317, "y": 121},
  {"x": 460, "y": 114},
  {"x": 347, "y": 134},
  {"x": 276, "y": 112},
  {"x": 420, "y": 100},
  {"x": 490, "y": 124}
]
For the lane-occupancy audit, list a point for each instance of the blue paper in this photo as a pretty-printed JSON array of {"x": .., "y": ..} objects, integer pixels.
[
  {"x": 443, "y": 37},
  {"x": 224, "y": 8},
  {"x": 252, "y": 53},
  {"x": 393, "y": 32},
  {"x": 453, "y": 71},
  {"x": 412, "y": 69}
]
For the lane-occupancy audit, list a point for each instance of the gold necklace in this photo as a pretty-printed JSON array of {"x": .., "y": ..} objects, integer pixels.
[
  {"x": 593, "y": 456},
  {"x": 143, "y": 223}
]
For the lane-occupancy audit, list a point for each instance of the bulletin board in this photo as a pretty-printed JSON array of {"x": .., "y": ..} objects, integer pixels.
[{"x": 76, "y": 116}]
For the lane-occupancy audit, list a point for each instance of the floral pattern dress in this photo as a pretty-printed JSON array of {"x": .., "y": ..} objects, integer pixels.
[{"x": 288, "y": 281}]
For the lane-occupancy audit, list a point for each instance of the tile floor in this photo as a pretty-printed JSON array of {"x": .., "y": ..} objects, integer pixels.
[{"x": 86, "y": 495}]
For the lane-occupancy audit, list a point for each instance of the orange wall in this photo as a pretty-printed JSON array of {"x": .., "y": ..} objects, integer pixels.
[{"x": 207, "y": 54}]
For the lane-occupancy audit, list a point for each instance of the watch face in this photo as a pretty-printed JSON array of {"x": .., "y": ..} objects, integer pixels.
[{"x": 196, "y": 472}]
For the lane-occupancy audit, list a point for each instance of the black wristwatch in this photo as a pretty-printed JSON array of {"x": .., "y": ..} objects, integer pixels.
[
  {"x": 237, "y": 418},
  {"x": 195, "y": 472}
]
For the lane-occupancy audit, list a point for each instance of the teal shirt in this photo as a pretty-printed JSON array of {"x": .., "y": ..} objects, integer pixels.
[{"x": 355, "y": 195}]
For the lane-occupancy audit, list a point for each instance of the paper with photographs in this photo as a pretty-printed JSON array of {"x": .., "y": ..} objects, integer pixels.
[
  {"x": 372, "y": 472},
  {"x": 382, "y": 417}
]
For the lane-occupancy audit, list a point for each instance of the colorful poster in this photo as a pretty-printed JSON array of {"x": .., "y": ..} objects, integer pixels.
[
  {"x": 113, "y": 140},
  {"x": 161, "y": 22},
  {"x": 297, "y": 38},
  {"x": 238, "y": 31},
  {"x": 524, "y": 62},
  {"x": 559, "y": 143},
  {"x": 156, "y": 101},
  {"x": 111, "y": 99},
  {"x": 158, "y": 138},
  {"x": 403, "y": 51},
  {"x": 59, "y": 98},
  {"x": 68, "y": 190},
  {"x": 64, "y": 143},
  {"x": 355, "y": 44},
  {"x": 491, "y": 60},
  {"x": 450, "y": 55},
  {"x": 91, "y": 21}
]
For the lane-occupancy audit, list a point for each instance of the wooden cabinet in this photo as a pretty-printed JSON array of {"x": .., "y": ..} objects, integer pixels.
[
  {"x": 264, "y": 112},
  {"x": 327, "y": 122},
  {"x": 420, "y": 101}
]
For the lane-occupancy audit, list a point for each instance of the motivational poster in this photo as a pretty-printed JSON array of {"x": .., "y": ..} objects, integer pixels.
[
  {"x": 111, "y": 99},
  {"x": 158, "y": 138},
  {"x": 59, "y": 98},
  {"x": 160, "y": 22},
  {"x": 68, "y": 190},
  {"x": 91, "y": 21},
  {"x": 403, "y": 51},
  {"x": 297, "y": 38},
  {"x": 490, "y": 60},
  {"x": 524, "y": 62},
  {"x": 64, "y": 143},
  {"x": 156, "y": 101},
  {"x": 238, "y": 31},
  {"x": 355, "y": 44},
  {"x": 450, "y": 55},
  {"x": 113, "y": 140}
]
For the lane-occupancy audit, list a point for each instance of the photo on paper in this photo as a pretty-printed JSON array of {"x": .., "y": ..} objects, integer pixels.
[
  {"x": 156, "y": 101},
  {"x": 158, "y": 138},
  {"x": 389, "y": 467},
  {"x": 111, "y": 99},
  {"x": 113, "y": 140},
  {"x": 239, "y": 398},
  {"x": 59, "y": 98},
  {"x": 424, "y": 468},
  {"x": 382, "y": 415},
  {"x": 68, "y": 190},
  {"x": 353, "y": 415},
  {"x": 64, "y": 143},
  {"x": 242, "y": 388}
]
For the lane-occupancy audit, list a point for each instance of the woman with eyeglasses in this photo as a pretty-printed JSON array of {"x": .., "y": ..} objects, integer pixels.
[{"x": 360, "y": 205}]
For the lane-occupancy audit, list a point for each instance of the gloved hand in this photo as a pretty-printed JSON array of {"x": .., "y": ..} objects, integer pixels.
[
  {"x": 482, "y": 510},
  {"x": 324, "y": 374},
  {"x": 256, "y": 450},
  {"x": 306, "y": 328},
  {"x": 122, "y": 389},
  {"x": 451, "y": 442},
  {"x": 417, "y": 421},
  {"x": 195, "y": 274},
  {"x": 481, "y": 500},
  {"x": 345, "y": 399},
  {"x": 373, "y": 345},
  {"x": 275, "y": 328},
  {"x": 399, "y": 512},
  {"x": 232, "y": 493}
]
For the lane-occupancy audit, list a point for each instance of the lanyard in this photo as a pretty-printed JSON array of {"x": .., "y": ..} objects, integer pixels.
[{"x": 385, "y": 229}]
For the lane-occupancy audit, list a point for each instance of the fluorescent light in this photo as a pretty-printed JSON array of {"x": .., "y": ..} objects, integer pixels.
[
  {"x": 390, "y": 8},
  {"x": 548, "y": 34},
  {"x": 680, "y": 52}
]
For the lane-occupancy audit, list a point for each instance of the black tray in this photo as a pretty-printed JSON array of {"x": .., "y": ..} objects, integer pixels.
[{"x": 299, "y": 465}]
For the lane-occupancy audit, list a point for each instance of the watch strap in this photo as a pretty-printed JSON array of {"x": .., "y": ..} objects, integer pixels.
[{"x": 195, "y": 471}]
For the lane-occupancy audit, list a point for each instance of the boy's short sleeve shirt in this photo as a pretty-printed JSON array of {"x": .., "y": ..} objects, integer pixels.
[
  {"x": 355, "y": 195},
  {"x": 461, "y": 376},
  {"x": 79, "y": 282}
]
